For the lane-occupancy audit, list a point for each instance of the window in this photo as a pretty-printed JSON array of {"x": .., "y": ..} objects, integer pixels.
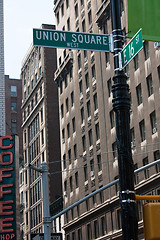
[
  {"x": 72, "y": 99},
  {"x": 82, "y": 2},
  {"x": 82, "y": 115},
  {"x": 83, "y": 26},
  {"x": 76, "y": 11},
  {"x": 69, "y": 156},
  {"x": 132, "y": 137},
  {"x": 87, "y": 80},
  {"x": 92, "y": 165},
  {"x": 71, "y": 73},
  {"x": 158, "y": 70},
  {"x": 28, "y": 89},
  {"x": 76, "y": 180},
  {"x": 65, "y": 81},
  {"x": 88, "y": 109},
  {"x": 13, "y": 106},
  {"x": 112, "y": 118},
  {"x": 36, "y": 98},
  {"x": 71, "y": 184},
  {"x": 119, "y": 221},
  {"x": 85, "y": 172},
  {"x": 67, "y": 105},
  {"x": 90, "y": 137},
  {"x": 74, "y": 125},
  {"x": 57, "y": 17},
  {"x": 96, "y": 230},
  {"x": 105, "y": 28},
  {"x": 94, "y": 200},
  {"x": 136, "y": 178},
  {"x": 139, "y": 94},
  {"x": 32, "y": 104},
  {"x": 68, "y": 24},
  {"x": 75, "y": 151},
  {"x": 107, "y": 58},
  {"x": 87, "y": 204},
  {"x": 80, "y": 234},
  {"x": 95, "y": 102},
  {"x": 84, "y": 143},
  {"x": 157, "y": 157},
  {"x": 13, "y": 91},
  {"x": 99, "y": 162},
  {"x": 114, "y": 148},
  {"x": 42, "y": 136},
  {"x": 142, "y": 130},
  {"x": 97, "y": 131},
  {"x": 116, "y": 184},
  {"x": 67, "y": 3},
  {"x": 14, "y": 126},
  {"x": 146, "y": 49},
  {"x": 62, "y": 111},
  {"x": 89, "y": 233},
  {"x": 79, "y": 61},
  {"x": 64, "y": 161},
  {"x": 149, "y": 85},
  {"x": 68, "y": 130},
  {"x": 93, "y": 73},
  {"x": 153, "y": 122},
  {"x": 90, "y": 17},
  {"x": 109, "y": 85},
  {"x": 101, "y": 196},
  {"x": 73, "y": 236},
  {"x": 136, "y": 62},
  {"x": 121, "y": 6},
  {"x": 146, "y": 171},
  {"x": 103, "y": 226},
  {"x": 62, "y": 9},
  {"x": 81, "y": 87}
]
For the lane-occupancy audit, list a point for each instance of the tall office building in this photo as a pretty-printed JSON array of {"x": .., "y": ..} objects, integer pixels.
[
  {"x": 2, "y": 79},
  {"x": 87, "y": 122},
  {"x": 40, "y": 126}
]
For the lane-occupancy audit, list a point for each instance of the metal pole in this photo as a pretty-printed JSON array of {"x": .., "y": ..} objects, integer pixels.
[
  {"x": 46, "y": 215},
  {"x": 121, "y": 106}
]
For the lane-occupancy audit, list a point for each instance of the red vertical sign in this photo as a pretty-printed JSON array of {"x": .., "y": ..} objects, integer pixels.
[{"x": 7, "y": 188}]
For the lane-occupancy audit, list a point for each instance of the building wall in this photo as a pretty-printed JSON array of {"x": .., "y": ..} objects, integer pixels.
[
  {"x": 88, "y": 149},
  {"x": 2, "y": 83},
  {"x": 40, "y": 133},
  {"x": 13, "y": 101}
]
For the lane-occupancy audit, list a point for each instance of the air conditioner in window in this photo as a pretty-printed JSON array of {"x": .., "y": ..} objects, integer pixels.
[
  {"x": 63, "y": 140},
  {"x": 156, "y": 44},
  {"x": 92, "y": 173},
  {"x": 93, "y": 79},
  {"x": 65, "y": 193},
  {"x": 133, "y": 144},
  {"x": 154, "y": 130}
]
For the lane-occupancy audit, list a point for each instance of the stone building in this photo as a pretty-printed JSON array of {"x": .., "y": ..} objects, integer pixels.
[
  {"x": 40, "y": 126},
  {"x": 87, "y": 122}
]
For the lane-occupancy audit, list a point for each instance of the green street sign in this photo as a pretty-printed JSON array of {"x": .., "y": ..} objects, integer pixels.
[
  {"x": 72, "y": 40},
  {"x": 130, "y": 50}
]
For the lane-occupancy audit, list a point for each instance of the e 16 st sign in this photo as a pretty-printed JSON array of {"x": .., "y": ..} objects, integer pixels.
[
  {"x": 72, "y": 40},
  {"x": 130, "y": 50},
  {"x": 7, "y": 188}
]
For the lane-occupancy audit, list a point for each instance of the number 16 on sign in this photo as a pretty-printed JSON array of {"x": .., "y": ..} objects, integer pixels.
[{"x": 130, "y": 50}]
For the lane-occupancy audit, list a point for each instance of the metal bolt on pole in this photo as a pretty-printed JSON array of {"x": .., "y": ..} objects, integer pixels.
[{"x": 121, "y": 106}]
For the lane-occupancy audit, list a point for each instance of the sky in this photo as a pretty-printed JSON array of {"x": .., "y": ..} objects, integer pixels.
[{"x": 20, "y": 17}]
